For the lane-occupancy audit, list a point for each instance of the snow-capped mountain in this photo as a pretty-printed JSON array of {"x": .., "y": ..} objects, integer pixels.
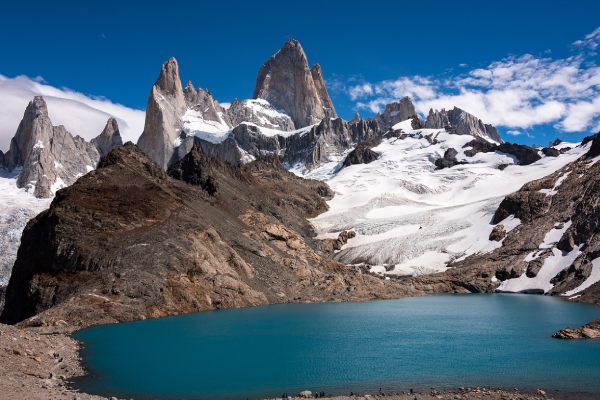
[{"x": 418, "y": 194}]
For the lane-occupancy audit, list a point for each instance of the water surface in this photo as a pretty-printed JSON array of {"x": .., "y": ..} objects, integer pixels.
[{"x": 443, "y": 341}]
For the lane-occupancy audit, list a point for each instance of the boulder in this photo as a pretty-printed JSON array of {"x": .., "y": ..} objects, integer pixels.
[{"x": 498, "y": 233}]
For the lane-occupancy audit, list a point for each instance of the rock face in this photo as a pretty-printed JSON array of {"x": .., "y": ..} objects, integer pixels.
[
  {"x": 50, "y": 157},
  {"x": 128, "y": 242},
  {"x": 460, "y": 122},
  {"x": 317, "y": 76},
  {"x": 288, "y": 84},
  {"x": 397, "y": 112},
  {"x": 166, "y": 105},
  {"x": 109, "y": 139}
]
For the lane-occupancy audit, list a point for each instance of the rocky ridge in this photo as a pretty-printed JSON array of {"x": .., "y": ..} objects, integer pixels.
[
  {"x": 127, "y": 242},
  {"x": 460, "y": 122}
]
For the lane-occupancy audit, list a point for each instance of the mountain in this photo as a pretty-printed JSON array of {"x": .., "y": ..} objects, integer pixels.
[
  {"x": 127, "y": 241},
  {"x": 288, "y": 84},
  {"x": 109, "y": 138},
  {"x": 49, "y": 156},
  {"x": 461, "y": 122}
]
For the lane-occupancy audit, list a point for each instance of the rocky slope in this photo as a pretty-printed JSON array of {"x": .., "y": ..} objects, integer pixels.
[
  {"x": 554, "y": 249},
  {"x": 128, "y": 242}
]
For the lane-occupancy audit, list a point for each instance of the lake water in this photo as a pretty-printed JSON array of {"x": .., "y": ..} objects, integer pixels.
[{"x": 443, "y": 341}]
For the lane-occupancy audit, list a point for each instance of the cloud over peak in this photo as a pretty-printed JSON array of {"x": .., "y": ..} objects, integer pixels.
[{"x": 81, "y": 114}]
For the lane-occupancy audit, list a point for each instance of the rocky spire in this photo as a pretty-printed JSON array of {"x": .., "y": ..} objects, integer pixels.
[
  {"x": 49, "y": 155},
  {"x": 168, "y": 80},
  {"x": 460, "y": 122},
  {"x": 356, "y": 117},
  {"x": 317, "y": 76},
  {"x": 286, "y": 82},
  {"x": 109, "y": 139},
  {"x": 166, "y": 105}
]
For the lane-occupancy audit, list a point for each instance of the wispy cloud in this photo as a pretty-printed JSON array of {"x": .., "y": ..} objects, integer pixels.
[
  {"x": 515, "y": 92},
  {"x": 81, "y": 114}
]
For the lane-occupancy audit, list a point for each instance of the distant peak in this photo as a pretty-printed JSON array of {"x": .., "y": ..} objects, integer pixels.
[{"x": 111, "y": 125}]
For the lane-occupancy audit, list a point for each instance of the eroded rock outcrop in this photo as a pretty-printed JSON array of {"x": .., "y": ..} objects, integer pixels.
[
  {"x": 588, "y": 331},
  {"x": 50, "y": 157}
]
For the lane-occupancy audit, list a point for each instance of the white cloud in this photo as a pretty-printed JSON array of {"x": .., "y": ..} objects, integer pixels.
[
  {"x": 591, "y": 40},
  {"x": 514, "y": 132},
  {"x": 516, "y": 92},
  {"x": 82, "y": 115}
]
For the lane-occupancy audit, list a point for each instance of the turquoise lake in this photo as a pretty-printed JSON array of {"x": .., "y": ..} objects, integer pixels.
[{"x": 443, "y": 341}]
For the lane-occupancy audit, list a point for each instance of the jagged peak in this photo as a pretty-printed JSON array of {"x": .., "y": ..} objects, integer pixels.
[
  {"x": 168, "y": 80},
  {"x": 36, "y": 107},
  {"x": 111, "y": 125}
]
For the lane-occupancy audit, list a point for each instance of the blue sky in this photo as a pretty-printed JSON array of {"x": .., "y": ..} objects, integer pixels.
[{"x": 491, "y": 59}]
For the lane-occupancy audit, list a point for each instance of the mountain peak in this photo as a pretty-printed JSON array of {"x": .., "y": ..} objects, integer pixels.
[
  {"x": 109, "y": 138},
  {"x": 36, "y": 108},
  {"x": 288, "y": 84},
  {"x": 168, "y": 80}
]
